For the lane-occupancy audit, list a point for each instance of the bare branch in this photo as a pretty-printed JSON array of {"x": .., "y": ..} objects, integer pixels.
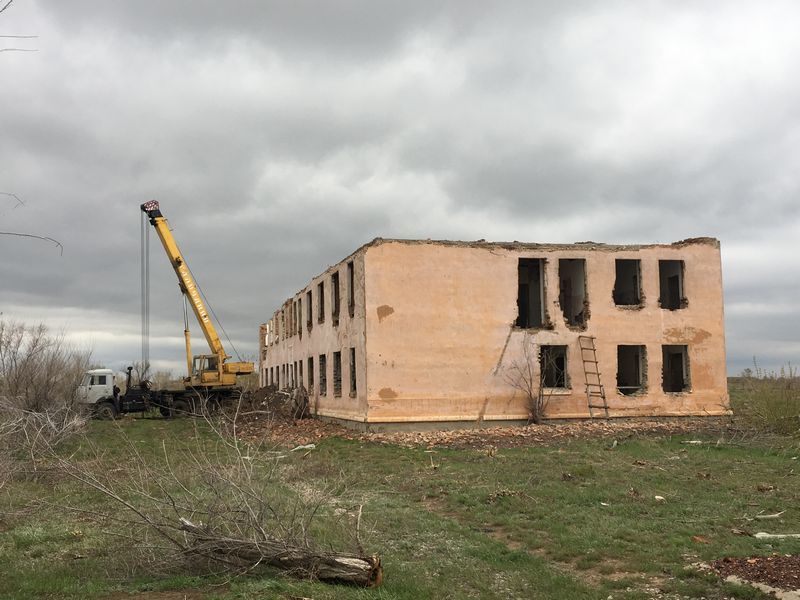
[
  {"x": 38, "y": 237},
  {"x": 15, "y": 197}
]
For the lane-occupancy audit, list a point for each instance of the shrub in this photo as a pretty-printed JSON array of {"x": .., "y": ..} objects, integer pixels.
[
  {"x": 39, "y": 371},
  {"x": 768, "y": 400}
]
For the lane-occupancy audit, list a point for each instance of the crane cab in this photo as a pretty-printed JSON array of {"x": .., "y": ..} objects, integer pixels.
[{"x": 211, "y": 370}]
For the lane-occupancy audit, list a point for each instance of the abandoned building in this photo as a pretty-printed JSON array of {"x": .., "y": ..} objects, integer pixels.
[{"x": 437, "y": 332}]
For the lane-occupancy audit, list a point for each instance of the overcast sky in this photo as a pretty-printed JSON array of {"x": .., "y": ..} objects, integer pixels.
[{"x": 279, "y": 136}]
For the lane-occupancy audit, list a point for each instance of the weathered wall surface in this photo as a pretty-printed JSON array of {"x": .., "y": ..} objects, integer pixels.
[
  {"x": 287, "y": 345},
  {"x": 441, "y": 338}
]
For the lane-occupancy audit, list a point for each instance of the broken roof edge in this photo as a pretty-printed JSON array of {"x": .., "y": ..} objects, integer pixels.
[{"x": 516, "y": 245}]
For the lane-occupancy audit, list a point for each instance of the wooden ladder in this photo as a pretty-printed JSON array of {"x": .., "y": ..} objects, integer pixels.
[{"x": 595, "y": 391}]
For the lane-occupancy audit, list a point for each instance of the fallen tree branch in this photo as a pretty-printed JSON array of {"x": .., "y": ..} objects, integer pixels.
[
  {"x": 364, "y": 571},
  {"x": 251, "y": 516}
]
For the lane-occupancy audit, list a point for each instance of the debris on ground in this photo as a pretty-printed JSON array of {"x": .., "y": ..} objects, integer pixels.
[
  {"x": 779, "y": 571},
  {"x": 273, "y": 419}
]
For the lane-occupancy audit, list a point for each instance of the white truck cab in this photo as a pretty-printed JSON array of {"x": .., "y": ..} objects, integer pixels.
[{"x": 97, "y": 386}]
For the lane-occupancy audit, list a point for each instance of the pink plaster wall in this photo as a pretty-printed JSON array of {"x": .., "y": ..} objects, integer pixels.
[
  {"x": 440, "y": 336},
  {"x": 325, "y": 338}
]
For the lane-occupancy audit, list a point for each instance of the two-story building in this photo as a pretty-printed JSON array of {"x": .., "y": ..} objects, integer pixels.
[{"x": 421, "y": 331}]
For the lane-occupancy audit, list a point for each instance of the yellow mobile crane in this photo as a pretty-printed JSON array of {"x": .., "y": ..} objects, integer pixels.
[{"x": 210, "y": 374}]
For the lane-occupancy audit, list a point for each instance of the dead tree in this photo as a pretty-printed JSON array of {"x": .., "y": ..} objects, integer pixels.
[{"x": 527, "y": 375}]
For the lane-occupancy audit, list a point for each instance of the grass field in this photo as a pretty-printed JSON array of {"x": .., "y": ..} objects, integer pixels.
[{"x": 576, "y": 520}]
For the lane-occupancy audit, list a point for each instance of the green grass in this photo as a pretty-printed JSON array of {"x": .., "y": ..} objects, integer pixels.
[{"x": 575, "y": 520}]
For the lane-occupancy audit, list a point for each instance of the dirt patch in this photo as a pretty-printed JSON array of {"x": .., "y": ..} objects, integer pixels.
[
  {"x": 779, "y": 571},
  {"x": 272, "y": 423}
]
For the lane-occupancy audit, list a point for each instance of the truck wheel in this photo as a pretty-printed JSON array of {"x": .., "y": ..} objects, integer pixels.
[
  {"x": 164, "y": 411},
  {"x": 180, "y": 408},
  {"x": 105, "y": 411}
]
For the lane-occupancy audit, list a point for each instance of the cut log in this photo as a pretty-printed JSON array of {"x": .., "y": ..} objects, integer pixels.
[{"x": 363, "y": 571}]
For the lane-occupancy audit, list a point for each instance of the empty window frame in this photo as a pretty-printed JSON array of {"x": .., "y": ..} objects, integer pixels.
[
  {"x": 323, "y": 375},
  {"x": 670, "y": 275},
  {"x": 572, "y": 291},
  {"x": 321, "y": 302},
  {"x": 675, "y": 369},
  {"x": 553, "y": 366},
  {"x": 337, "y": 373},
  {"x": 628, "y": 282},
  {"x": 351, "y": 288},
  {"x": 309, "y": 309},
  {"x": 299, "y": 317},
  {"x": 335, "y": 298},
  {"x": 353, "y": 372},
  {"x": 300, "y": 381},
  {"x": 631, "y": 369},
  {"x": 530, "y": 293},
  {"x": 310, "y": 374}
]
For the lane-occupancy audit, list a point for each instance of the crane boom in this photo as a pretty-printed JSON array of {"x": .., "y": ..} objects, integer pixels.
[
  {"x": 201, "y": 375},
  {"x": 185, "y": 280}
]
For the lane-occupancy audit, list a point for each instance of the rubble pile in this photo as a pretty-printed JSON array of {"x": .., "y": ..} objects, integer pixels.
[{"x": 273, "y": 419}]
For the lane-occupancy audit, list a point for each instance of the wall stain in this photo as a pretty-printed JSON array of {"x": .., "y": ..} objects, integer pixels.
[
  {"x": 387, "y": 393},
  {"x": 686, "y": 335},
  {"x": 384, "y": 311}
]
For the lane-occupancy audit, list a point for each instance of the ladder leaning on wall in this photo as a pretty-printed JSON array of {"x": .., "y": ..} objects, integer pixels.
[{"x": 595, "y": 391}]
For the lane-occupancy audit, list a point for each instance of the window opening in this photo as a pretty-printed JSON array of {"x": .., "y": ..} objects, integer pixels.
[
  {"x": 323, "y": 375},
  {"x": 631, "y": 369},
  {"x": 553, "y": 366},
  {"x": 337, "y": 373},
  {"x": 675, "y": 370},
  {"x": 530, "y": 293},
  {"x": 310, "y": 374},
  {"x": 321, "y": 302},
  {"x": 352, "y": 371},
  {"x": 670, "y": 275},
  {"x": 309, "y": 318},
  {"x": 335, "y": 297},
  {"x": 572, "y": 296},
  {"x": 351, "y": 288},
  {"x": 627, "y": 285},
  {"x": 298, "y": 318}
]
